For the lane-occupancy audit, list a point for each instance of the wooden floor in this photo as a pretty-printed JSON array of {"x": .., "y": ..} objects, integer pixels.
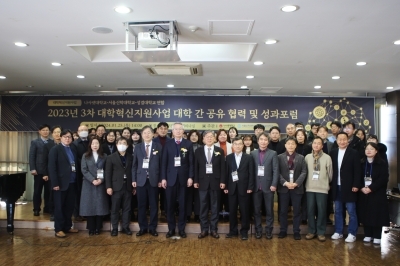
[{"x": 41, "y": 247}]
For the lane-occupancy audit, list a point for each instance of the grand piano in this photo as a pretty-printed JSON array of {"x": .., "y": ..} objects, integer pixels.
[{"x": 12, "y": 186}]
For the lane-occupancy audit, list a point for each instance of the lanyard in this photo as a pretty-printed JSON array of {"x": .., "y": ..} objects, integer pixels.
[{"x": 365, "y": 170}]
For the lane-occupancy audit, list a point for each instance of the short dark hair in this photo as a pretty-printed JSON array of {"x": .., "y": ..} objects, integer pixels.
[
  {"x": 236, "y": 139},
  {"x": 315, "y": 124},
  {"x": 319, "y": 139},
  {"x": 259, "y": 126},
  {"x": 126, "y": 128},
  {"x": 43, "y": 126},
  {"x": 291, "y": 138},
  {"x": 65, "y": 132},
  {"x": 237, "y": 133},
  {"x": 219, "y": 133},
  {"x": 199, "y": 136},
  {"x": 324, "y": 127},
  {"x": 137, "y": 131},
  {"x": 121, "y": 139},
  {"x": 263, "y": 134},
  {"x": 55, "y": 127},
  {"x": 101, "y": 126},
  {"x": 342, "y": 133},
  {"x": 349, "y": 123},
  {"x": 372, "y": 136},
  {"x": 337, "y": 123},
  {"x": 274, "y": 127},
  {"x": 146, "y": 127},
  {"x": 298, "y": 123},
  {"x": 304, "y": 133},
  {"x": 165, "y": 124}
]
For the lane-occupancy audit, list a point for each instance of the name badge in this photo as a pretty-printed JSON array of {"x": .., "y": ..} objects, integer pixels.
[
  {"x": 145, "y": 164},
  {"x": 235, "y": 176},
  {"x": 100, "y": 174},
  {"x": 124, "y": 176},
  {"x": 73, "y": 167},
  {"x": 177, "y": 161},
  {"x": 368, "y": 181},
  {"x": 315, "y": 175},
  {"x": 291, "y": 173},
  {"x": 260, "y": 171},
  {"x": 209, "y": 168}
]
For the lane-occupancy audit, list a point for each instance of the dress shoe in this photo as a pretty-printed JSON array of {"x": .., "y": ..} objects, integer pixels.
[
  {"x": 97, "y": 232},
  {"x": 245, "y": 236},
  {"x": 258, "y": 235},
  {"x": 60, "y": 234},
  {"x": 35, "y": 213},
  {"x": 127, "y": 231},
  {"x": 214, "y": 234},
  {"x": 51, "y": 217},
  {"x": 203, "y": 234},
  {"x": 268, "y": 234},
  {"x": 153, "y": 232},
  {"x": 297, "y": 236},
  {"x": 321, "y": 238},
  {"x": 91, "y": 233},
  {"x": 72, "y": 230},
  {"x": 114, "y": 232},
  {"x": 141, "y": 232},
  {"x": 231, "y": 235},
  {"x": 310, "y": 236},
  {"x": 182, "y": 234},
  {"x": 282, "y": 234},
  {"x": 196, "y": 219},
  {"x": 170, "y": 233}
]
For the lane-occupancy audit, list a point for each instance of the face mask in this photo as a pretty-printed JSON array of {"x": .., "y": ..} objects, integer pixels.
[
  {"x": 122, "y": 148},
  {"x": 83, "y": 134}
]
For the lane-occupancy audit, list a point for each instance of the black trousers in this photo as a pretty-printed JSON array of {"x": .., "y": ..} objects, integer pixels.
[
  {"x": 79, "y": 182},
  {"x": 94, "y": 222},
  {"x": 64, "y": 202},
  {"x": 284, "y": 199},
  {"x": 163, "y": 199},
  {"x": 373, "y": 231},
  {"x": 207, "y": 198},
  {"x": 38, "y": 185},
  {"x": 147, "y": 196},
  {"x": 121, "y": 200},
  {"x": 242, "y": 201},
  {"x": 173, "y": 193},
  {"x": 192, "y": 201}
]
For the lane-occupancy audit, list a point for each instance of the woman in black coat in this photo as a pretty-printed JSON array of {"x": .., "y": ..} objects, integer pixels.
[{"x": 373, "y": 210}]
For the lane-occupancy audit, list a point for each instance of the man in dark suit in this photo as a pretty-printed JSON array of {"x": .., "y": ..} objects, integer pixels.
[
  {"x": 119, "y": 186},
  {"x": 239, "y": 186},
  {"x": 146, "y": 179},
  {"x": 293, "y": 172},
  {"x": 346, "y": 182},
  {"x": 322, "y": 132},
  {"x": 37, "y": 166},
  {"x": 62, "y": 173},
  {"x": 177, "y": 174},
  {"x": 209, "y": 179},
  {"x": 266, "y": 172}
]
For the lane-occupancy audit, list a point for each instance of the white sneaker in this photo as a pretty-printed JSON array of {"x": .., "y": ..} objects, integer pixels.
[
  {"x": 336, "y": 236},
  {"x": 367, "y": 239},
  {"x": 377, "y": 241},
  {"x": 350, "y": 238}
]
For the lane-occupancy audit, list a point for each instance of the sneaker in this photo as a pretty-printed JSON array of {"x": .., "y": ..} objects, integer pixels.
[
  {"x": 350, "y": 238},
  {"x": 310, "y": 236},
  {"x": 321, "y": 238},
  {"x": 336, "y": 236},
  {"x": 377, "y": 241},
  {"x": 367, "y": 239}
]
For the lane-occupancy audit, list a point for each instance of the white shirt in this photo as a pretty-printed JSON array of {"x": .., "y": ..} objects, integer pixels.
[
  {"x": 206, "y": 152},
  {"x": 95, "y": 155},
  {"x": 248, "y": 150},
  {"x": 150, "y": 145},
  {"x": 340, "y": 160},
  {"x": 238, "y": 158}
]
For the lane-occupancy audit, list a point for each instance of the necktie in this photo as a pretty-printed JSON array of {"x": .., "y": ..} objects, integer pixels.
[
  {"x": 209, "y": 155},
  {"x": 178, "y": 142},
  {"x": 147, "y": 151},
  {"x": 45, "y": 141}
]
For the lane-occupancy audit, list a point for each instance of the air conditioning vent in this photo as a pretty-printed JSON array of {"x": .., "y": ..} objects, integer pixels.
[{"x": 178, "y": 69}]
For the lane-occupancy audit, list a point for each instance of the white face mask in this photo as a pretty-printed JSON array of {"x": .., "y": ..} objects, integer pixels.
[
  {"x": 122, "y": 148},
  {"x": 83, "y": 134}
]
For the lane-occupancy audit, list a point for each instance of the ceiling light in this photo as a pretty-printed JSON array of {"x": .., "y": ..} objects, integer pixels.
[
  {"x": 335, "y": 77},
  {"x": 389, "y": 88},
  {"x": 243, "y": 87},
  {"x": 2, "y": 77},
  {"x": 20, "y": 91},
  {"x": 56, "y": 64},
  {"x": 397, "y": 42},
  {"x": 317, "y": 87},
  {"x": 122, "y": 9},
  {"x": 80, "y": 77},
  {"x": 249, "y": 77},
  {"x": 289, "y": 8},
  {"x": 30, "y": 86},
  {"x": 21, "y": 44},
  {"x": 271, "y": 41},
  {"x": 170, "y": 86},
  {"x": 258, "y": 63},
  {"x": 361, "y": 63},
  {"x": 98, "y": 86}
]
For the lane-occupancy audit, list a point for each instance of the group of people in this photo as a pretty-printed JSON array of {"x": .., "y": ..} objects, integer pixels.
[{"x": 99, "y": 174}]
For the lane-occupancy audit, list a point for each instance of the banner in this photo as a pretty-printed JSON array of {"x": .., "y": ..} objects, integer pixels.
[{"x": 26, "y": 113}]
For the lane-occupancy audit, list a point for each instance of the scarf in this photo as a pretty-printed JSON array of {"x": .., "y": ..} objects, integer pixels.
[
  {"x": 291, "y": 160},
  {"x": 316, "y": 160}
]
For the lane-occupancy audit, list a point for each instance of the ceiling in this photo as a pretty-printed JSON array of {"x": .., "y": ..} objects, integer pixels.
[{"x": 320, "y": 40}]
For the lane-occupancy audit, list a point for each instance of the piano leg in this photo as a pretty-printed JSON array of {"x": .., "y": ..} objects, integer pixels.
[{"x": 10, "y": 208}]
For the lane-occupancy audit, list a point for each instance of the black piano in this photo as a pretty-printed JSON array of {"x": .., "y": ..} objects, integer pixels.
[{"x": 12, "y": 186}]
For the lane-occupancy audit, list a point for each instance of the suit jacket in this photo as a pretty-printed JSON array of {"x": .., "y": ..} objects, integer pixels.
[
  {"x": 36, "y": 156},
  {"x": 245, "y": 173},
  {"x": 168, "y": 171},
  {"x": 157, "y": 139},
  {"x": 299, "y": 173},
  {"x": 81, "y": 148},
  {"x": 329, "y": 146},
  {"x": 139, "y": 174},
  {"x": 46, "y": 151},
  {"x": 107, "y": 150},
  {"x": 228, "y": 147},
  {"x": 271, "y": 170},
  {"x": 356, "y": 144},
  {"x": 350, "y": 173},
  {"x": 209, "y": 181},
  {"x": 279, "y": 147},
  {"x": 115, "y": 171},
  {"x": 59, "y": 166}
]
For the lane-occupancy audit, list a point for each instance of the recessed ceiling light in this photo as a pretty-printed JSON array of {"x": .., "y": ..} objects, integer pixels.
[
  {"x": 250, "y": 77},
  {"x": 271, "y": 41},
  {"x": 389, "y": 88},
  {"x": 397, "y": 42},
  {"x": 289, "y": 8},
  {"x": 122, "y": 9},
  {"x": 2, "y": 77},
  {"x": 315, "y": 92},
  {"x": 20, "y": 91},
  {"x": 102, "y": 30},
  {"x": 170, "y": 86},
  {"x": 30, "y": 86},
  {"x": 317, "y": 87},
  {"x": 21, "y": 44},
  {"x": 80, "y": 77},
  {"x": 258, "y": 63},
  {"x": 361, "y": 63},
  {"x": 335, "y": 77},
  {"x": 56, "y": 64},
  {"x": 243, "y": 87},
  {"x": 98, "y": 86}
]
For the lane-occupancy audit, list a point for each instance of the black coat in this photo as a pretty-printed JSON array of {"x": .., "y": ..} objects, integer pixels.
[
  {"x": 245, "y": 173},
  {"x": 114, "y": 172},
  {"x": 107, "y": 150},
  {"x": 209, "y": 181},
  {"x": 356, "y": 144},
  {"x": 59, "y": 166},
  {"x": 279, "y": 147},
  {"x": 373, "y": 208}
]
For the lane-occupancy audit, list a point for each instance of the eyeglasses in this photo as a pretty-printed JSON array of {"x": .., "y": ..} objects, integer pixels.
[{"x": 67, "y": 137}]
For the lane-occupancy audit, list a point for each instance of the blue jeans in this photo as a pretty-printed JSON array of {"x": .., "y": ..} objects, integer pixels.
[{"x": 351, "y": 209}]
